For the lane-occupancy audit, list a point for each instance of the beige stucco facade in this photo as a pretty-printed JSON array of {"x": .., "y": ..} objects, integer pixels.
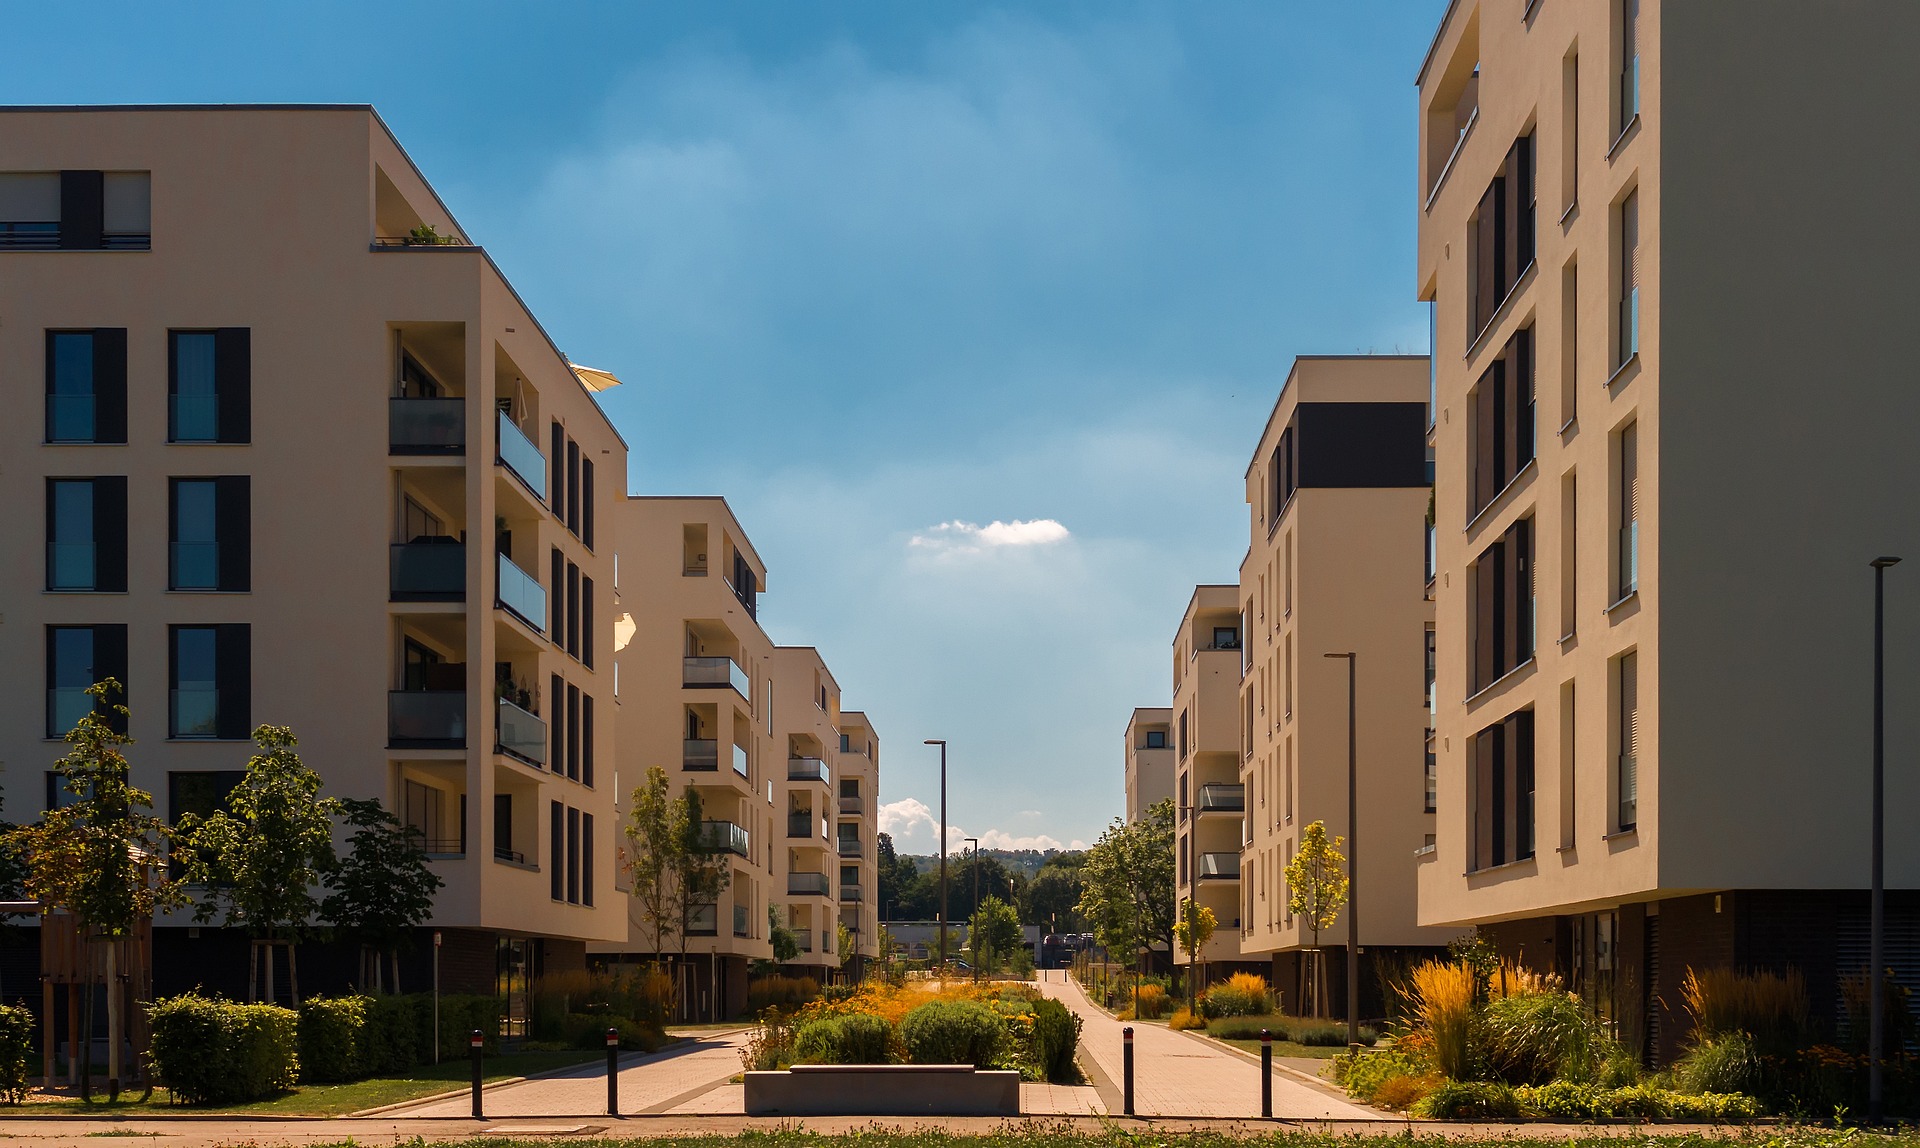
[
  {"x": 806, "y": 722},
  {"x": 1681, "y": 768},
  {"x": 1336, "y": 500},
  {"x": 1209, "y": 801},
  {"x": 856, "y": 787},
  {"x": 1149, "y": 759}
]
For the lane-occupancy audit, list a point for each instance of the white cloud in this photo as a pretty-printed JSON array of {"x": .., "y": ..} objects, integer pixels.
[
  {"x": 959, "y": 537},
  {"x": 914, "y": 827}
]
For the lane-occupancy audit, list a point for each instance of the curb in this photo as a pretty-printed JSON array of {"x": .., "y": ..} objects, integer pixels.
[{"x": 386, "y": 1109}]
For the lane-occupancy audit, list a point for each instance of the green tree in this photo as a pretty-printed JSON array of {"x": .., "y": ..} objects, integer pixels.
[
  {"x": 99, "y": 858},
  {"x": 1127, "y": 897},
  {"x": 1193, "y": 930},
  {"x": 786, "y": 946},
  {"x": 261, "y": 860},
  {"x": 657, "y": 840},
  {"x": 1317, "y": 891},
  {"x": 993, "y": 933},
  {"x": 702, "y": 864},
  {"x": 846, "y": 945},
  {"x": 382, "y": 890},
  {"x": 1052, "y": 899}
]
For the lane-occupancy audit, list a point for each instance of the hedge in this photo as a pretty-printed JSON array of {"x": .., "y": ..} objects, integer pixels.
[
  {"x": 210, "y": 1051},
  {"x": 332, "y": 1038},
  {"x": 953, "y": 1032},
  {"x": 857, "y": 1038},
  {"x": 1056, "y": 1037},
  {"x": 16, "y": 1052}
]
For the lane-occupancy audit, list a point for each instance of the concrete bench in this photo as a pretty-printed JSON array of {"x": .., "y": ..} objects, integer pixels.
[{"x": 883, "y": 1090}]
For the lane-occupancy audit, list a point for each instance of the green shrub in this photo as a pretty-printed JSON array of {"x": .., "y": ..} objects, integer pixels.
[
  {"x": 1056, "y": 1037},
  {"x": 390, "y": 1041},
  {"x": 953, "y": 1032},
  {"x": 1363, "y": 1075},
  {"x": 209, "y": 1051},
  {"x": 1539, "y": 1037},
  {"x": 1724, "y": 1063},
  {"x": 16, "y": 1052},
  {"x": 780, "y": 992},
  {"x": 1567, "y": 1100},
  {"x": 857, "y": 1038},
  {"x": 1230, "y": 999},
  {"x": 1301, "y": 1030},
  {"x": 331, "y": 1034},
  {"x": 460, "y": 1014},
  {"x": 1468, "y": 1100}
]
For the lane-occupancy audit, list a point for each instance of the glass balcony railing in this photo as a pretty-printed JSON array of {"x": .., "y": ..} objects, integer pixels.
[
  {"x": 1217, "y": 798},
  {"x": 704, "y": 672},
  {"x": 520, "y": 734},
  {"x": 193, "y": 565},
  {"x": 800, "y": 825},
  {"x": 806, "y": 884},
  {"x": 849, "y": 847},
  {"x": 723, "y": 837},
  {"x": 71, "y": 566},
  {"x": 701, "y": 754},
  {"x": 740, "y": 919},
  {"x": 520, "y": 593},
  {"x": 427, "y": 718},
  {"x": 66, "y": 705},
  {"x": 426, "y": 426},
  {"x": 852, "y": 803},
  {"x": 427, "y": 570},
  {"x": 70, "y": 418},
  {"x": 193, "y": 418},
  {"x": 804, "y": 938},
  {"x": 1219, "y": 866},
  {"x": 196, "y": 711},
  {"x": 740, "y": 760},
  {"x": 806, "y": 769},
  {"x": 519, "y": 455},
  {"x": 851, "y": 893}
]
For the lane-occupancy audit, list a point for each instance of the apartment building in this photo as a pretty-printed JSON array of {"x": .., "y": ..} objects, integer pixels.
[
  {"x": 857, "y": 833},
  {"x": 1149, "y": 758},
  {"x": 265, "y": 392},
  {"x": 1654, "y": 701},
  {"x": 807, "y": 726},
  {"x": 697, "y": 678},
  {"x": 1209, "y": 799},
  {"x": 1337, "y": 494}
]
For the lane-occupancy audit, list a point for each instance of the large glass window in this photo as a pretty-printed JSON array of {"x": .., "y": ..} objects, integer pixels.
[
  {"x": 196, "y": 397},
  {"x": 71, "y": 555},
  {"x": 70, "y": 398},
  {"x": 196, "y": 535},
  {"x": 196, "y": 690},
  {"x": 70, "y": 669}
]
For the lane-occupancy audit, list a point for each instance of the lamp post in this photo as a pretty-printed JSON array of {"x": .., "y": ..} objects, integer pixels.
[
  {"x": 1877, "y": 926},
  {"x": 972, "y": 940},
  {"x": 1353, "y": 855},
  {"x": 943, "y": 852}
]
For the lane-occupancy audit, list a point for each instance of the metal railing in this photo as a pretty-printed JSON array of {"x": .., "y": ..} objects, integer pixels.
[
  {"x": 1219, "y": 865},
  {"x": 722, "y": 671},
  {"x": 519, "y": 733},
  {"x": 701, "y": 754},
  {"x": 439, "y": 846},
  {"x": 520, "y": 594},
  {"x": 806, "y": 884},
  {"x": 512, "y": 855},
  {"x": 427, "y": 570},
  {"x": 29, "y": 235},
  {"x": 806, "y": 769},
  {"x": 427, "y": 718},
  {"x": 193, "y": 418},
  {"x": 426, "y": 426},
  {"x": 195, "y": 711},
  {"x": 520, "y": 456},
  {"x": 723, "y": 837},
  {"x": 1221, "y": 798}
]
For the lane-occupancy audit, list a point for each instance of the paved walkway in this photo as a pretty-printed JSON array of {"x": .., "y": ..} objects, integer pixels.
[
  {"x": 649, "y": 1082},
  {"x": 1180, "y": 1075}
]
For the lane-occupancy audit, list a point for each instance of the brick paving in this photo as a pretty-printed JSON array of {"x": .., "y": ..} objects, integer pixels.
[
  {"x": 649, "y": 1082},
  {"x": 1179, "y": 1075}
]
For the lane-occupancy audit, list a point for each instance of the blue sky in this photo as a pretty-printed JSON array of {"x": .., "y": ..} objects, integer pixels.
[{"x": 887, "y": 275}]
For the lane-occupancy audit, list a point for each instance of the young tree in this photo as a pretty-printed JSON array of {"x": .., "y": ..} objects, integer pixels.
[
  {"x": 261, "y": 861},
  {"x": 1128, "y": 883},
  {"x": 381, "y": 890},
  {"x": 786, "y": 946},
  {"x": 1317, "y": 891},
  {"x": 845, "y": 944},
  {"x": 702, "y": 864},
  {"x": 993, "y": 933},
  {"x": 100, "y": 858},
  {"x": 657, "y": 835},
  {"x": 1193, "y": 931}
]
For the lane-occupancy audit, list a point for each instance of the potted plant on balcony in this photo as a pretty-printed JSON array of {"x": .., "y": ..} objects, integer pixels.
[{"x": 426, "y": 235}]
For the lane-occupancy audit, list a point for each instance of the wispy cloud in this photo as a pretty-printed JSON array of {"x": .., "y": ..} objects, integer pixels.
[
  {"x": 956, "y": 537},
  {"x": 914, "y": 827}
]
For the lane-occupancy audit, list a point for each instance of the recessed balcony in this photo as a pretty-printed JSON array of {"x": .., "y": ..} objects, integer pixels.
[
  {"x": 851, "y": 893},
  {"x": 714, "y": 673},
  {"x": 521, "y": 457},
  {"x": 521, "y": 595},
  {"x": 806, "y": 769},
  {"x": 806, "y": 884},
  {"x": 850, "y": 847},
  {"x": 427, "y": 719},
  {"x": 1219, "y": 866},
  {"x": 802, "y": 825},
  {"x": 1220, "y": 798},
  {"x": 740, "y": 919},
  {"x": 701, "y": 755},
  {"x": 852, "y": 804},
  {"x": 427, "y": 570},
  {"x": 740, "y": 760},
  {"x": 426, "y": 426},
  {"x": 723, "y": 837},
  {"x": 519, "y": 734}
]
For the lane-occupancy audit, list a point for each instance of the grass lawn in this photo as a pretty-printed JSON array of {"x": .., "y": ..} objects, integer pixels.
[
  {"x": 1288, "y": 1048},
  {"x": 337, "y": 1099}
]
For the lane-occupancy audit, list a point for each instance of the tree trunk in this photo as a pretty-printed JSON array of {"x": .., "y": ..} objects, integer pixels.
[
  {"x": 113, "y": 1020},
  {"x": 83, "y": 1040}
]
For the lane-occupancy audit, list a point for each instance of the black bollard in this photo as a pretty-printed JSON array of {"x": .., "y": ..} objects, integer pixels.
[
  {"x": 1266, "y": 1074},
  {"x": 1126, "y": 1071},
  {"x": 613, "y": 1072},
  {"x": 477, "y": 1042}
]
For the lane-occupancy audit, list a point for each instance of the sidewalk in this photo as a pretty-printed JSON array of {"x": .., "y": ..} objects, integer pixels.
[
  {"x": 1179, "y": 1075},
  {"x": 649, "y": 1082}
]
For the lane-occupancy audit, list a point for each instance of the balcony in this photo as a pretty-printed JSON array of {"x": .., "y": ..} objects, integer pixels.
[
  {"x": 849, "y": 847},
  {"x": 714, "y": 673},
  {"x": 426, "y": 426},
  {"x": 703, "y": 920},
  {"x": 806, "y": 884},
  {"x": 801, "y": 825},
  {"x": 519, "y": 593},
  {"x": 1219, "y": 866},
  {"x": 1215, "y": 798},
  {"x": 427, "y": 719},
  {"x": 851, "y": 893},
  {"x": 521, "y": 457},
  {"x": 806, "y": 769},
  {"x": 520, "y": 734},
  {"x": 723, "y": 837},
  {"x": 853, "y": 804},
  {"x": 700, "y": 754},
  {"x": 740, "y": 760},
  {"x": 510, "y": 856},
  {"x": 441, "y": 848},
  {"x": 804, "y": 938},
  {"x": 739, "y": 920},
  {"x": 427, "y": 570}
]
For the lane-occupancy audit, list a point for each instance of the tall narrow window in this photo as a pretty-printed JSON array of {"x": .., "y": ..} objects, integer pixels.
[
  {"x": 1503, "y": 606},
  {"x": 87, "y": 386},
  {"x": 573, "y": 856},
  {"x": 572, "y": 720},
  {"x": 573, "y": 610},
  {"x": 209, "y": 384},
  {"x": 1287, "y": 558},
  {"x": 557, "y": 850},
  {"x": 503, "y": 828},
  {"x": 87, "y": 533},
  {"x": 1569, "y": 132},
  {"x": 1569, "y": 768},
  {"x": 586, "y": 502},
  {"x": 1433, "y": 668},
  {"x": 1287, "y": 669},
  {"x": 1569, "y": 344},
  {"x": 1433, "y": 778},
  {"x": 586, "y": 740},
  {"x": 1503, "y": 421},
  {"x": 210, "y": 676},
  {"x": 586, "y": 621},
  {"x": 209, "y": 528},
  {"x": 1629, "y": 303},
  {"x": 1629, "y": 62},
  {"x": 1627, "y": 782},
  {"x": 557, "y": 465},
  {"x": 557, "y": 602},
  {"x": 1628, "y": 543},
  {"x": 573, "y": 487},
  {"x": 1569, "y": 554},
  {"x": 1287, "y": 781},
  {"x": 586, "y": 858},
  {"x": 78, "y": 657},
  {"x": 556, "y": 714}
]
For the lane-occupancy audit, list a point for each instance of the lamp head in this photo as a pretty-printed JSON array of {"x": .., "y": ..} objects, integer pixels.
[
  {"x": 933, "y": 741},
  {"x": 1883, "y": 563},
  {"x": 1348, "y": 654}
]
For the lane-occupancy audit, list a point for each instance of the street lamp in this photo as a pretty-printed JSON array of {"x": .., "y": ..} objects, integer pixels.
[
  {"x": 1353, "y": 857},
  {"x": 1877, "y": 927},
  {"x": 975, "y": 842},
  {"x": 943, "y": 852}
]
